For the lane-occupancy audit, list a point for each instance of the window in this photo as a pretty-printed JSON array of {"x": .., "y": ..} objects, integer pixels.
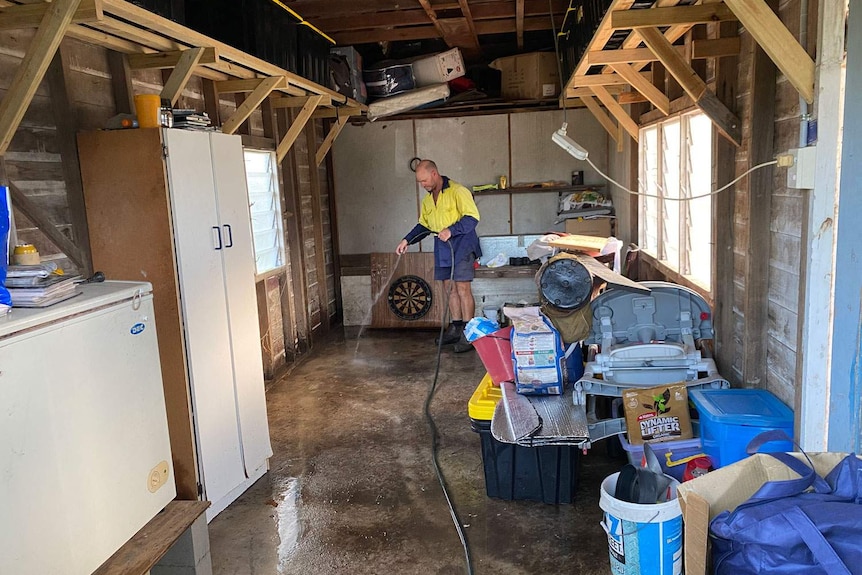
[
  {"x": 676, "y": 163},
  {"x": 265, "y": 208}
]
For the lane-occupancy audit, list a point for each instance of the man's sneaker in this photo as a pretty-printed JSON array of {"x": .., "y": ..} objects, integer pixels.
[
  {"x": 450, "y": 336},
  {"x": 462, "y": 345}
]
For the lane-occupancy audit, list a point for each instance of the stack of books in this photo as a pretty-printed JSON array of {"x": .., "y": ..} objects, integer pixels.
[
  {"x": 191, "y": 120},
  {"x": 40, "y": 285}
]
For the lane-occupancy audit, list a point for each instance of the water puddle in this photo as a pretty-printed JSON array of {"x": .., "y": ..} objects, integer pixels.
[{"x": 289, "y": 529}]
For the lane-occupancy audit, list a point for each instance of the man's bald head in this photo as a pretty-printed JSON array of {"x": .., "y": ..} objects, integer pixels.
[{"x": 428, "y": 176}]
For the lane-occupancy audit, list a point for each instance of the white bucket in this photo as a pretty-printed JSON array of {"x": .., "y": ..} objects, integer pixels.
[{"x": 642, "y": 539}]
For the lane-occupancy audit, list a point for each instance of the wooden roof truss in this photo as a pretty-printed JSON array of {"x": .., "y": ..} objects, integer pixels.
[
  {"x": 150, "y": 41},
  {"x": 632, "y": 36}
]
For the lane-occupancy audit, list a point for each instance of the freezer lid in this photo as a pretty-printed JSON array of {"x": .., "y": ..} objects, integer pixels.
[{"x": 93, "y": 296}]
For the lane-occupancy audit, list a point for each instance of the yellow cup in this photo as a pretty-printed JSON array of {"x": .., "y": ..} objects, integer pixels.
[
  {"x": 26, "y": 255},
  {"x": 147, "y": 107}
]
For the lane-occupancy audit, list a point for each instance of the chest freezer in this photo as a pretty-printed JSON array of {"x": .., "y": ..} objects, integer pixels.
[{"x": 85, "y": 459}]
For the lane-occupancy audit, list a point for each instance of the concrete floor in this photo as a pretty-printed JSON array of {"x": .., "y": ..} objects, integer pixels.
[{"x": 352, "y": 488}]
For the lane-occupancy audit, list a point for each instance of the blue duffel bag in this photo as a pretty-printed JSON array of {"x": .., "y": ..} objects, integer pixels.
[{"x": 810, "y": 525}]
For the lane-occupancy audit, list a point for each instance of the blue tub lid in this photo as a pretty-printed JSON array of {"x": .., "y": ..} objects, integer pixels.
[{"x": 755, "y": 407}]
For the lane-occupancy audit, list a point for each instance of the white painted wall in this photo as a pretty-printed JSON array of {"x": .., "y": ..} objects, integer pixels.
[{"x": 377, "y": 199}]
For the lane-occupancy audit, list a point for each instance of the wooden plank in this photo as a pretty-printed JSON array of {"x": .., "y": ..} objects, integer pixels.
[
  {"x": 671, "y": 16},
  {"x": 15, "y": 17},
  {"x": 299, "y": 331},
  {"x": 600, "y": 80},
  {"x": 719, "y": 48},
  {"x": 383, "y": 266},
  {"x": 211, "y": 101},
  {"x": 247, "y": 85},
  {"x": 181, "y": 74},
  {"x": 337, "y": 112},
  {"x": 519, "y": 23},
  {"x": 33, "y": 66},
  {"x": 759, "y": 210},
  {"x": 410, "y": 33},
  {"x": 777, "y": 41},
  {"x": 36, "y": 215},
  {"x": 673, "y": 62},
  {"x": 643, "y": 86},
  {"x": 692, "y": 84},
  {"x": 65, "y": 119},
  {"x": 631, "y": 98},
  {"x": 227, "y": 54},
  {"x": 432, "y": 15},
  {"x": 468, "y": 15},
  {"x": 121, "y": 83},
  {"x": 701, "y": 49},
  {"x": 171, "y": 59},
  {"x": 617, "y": 111},
  {"x": 300, "y": 101},
  {"x": 317, "y": 219},
  {"x": 609, "y": 125},
  {"x": 336, "y": 128},
  {"x": 264, "y": 89},
  {"x": 600, "y": 38},
  {"x": 150, "y": 544},
  {"x": 297, "y": 126}
]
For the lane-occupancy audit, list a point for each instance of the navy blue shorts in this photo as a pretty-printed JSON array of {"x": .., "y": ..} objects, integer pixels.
[{"x": 464, "y": 270}]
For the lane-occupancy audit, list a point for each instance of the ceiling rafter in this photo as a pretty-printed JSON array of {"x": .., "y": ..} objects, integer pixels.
[{"x": 670, "y": 16}]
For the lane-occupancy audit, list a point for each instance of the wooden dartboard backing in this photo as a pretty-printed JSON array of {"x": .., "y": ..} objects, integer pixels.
[{"x": 410, "y": 297}]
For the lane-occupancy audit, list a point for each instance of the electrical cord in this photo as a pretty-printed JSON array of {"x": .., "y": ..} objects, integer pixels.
[
  {"x": 670, "y": 199},
  {"x": 433, "y": 426}
]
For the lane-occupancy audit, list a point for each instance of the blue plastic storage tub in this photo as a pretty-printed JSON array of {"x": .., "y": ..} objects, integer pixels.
[
  {"x": 679, "y": 450},
  {"x": 731, "y": 418}
]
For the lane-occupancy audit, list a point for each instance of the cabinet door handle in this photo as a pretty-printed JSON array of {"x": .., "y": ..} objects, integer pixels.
[
  {"x": 229, "y": 236},
  {"x": 218, "y": 236}
]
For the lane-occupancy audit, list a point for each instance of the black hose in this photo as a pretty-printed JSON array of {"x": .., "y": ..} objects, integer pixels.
[{"x": 433, "y": 426}]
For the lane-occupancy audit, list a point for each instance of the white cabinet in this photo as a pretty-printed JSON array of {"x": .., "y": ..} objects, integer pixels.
[
  {"x": 172, "y": 206},
  {"x": 83, "y": 434}
]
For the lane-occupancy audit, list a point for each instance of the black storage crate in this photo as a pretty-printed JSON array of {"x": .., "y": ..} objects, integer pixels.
[
  {"x": 548, "y": 474},
  {"x": 259, "y": 27},
  {"x": 312, "y": 55}
]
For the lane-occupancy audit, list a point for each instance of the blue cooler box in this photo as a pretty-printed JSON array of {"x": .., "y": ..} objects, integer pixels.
[{"x": 731, "y": 418}]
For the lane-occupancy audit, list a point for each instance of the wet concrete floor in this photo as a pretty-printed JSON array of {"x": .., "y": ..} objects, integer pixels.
[{"x": 352, "y": 487}]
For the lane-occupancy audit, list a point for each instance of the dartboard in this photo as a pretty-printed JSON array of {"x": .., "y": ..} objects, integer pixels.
[{"x": 410, "y": 297}]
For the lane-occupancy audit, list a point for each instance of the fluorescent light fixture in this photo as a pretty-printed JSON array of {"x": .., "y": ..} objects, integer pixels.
[{"x": 562, "y": 140}]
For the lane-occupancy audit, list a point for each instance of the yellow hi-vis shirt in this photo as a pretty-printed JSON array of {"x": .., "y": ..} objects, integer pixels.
[{"x": 453, "y": 203}]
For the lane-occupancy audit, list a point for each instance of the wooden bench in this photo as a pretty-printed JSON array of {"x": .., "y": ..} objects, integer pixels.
[{"x": 144, "y": 550}]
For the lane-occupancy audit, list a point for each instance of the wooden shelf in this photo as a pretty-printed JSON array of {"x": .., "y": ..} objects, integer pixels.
[{"x": 539, "y": 190}]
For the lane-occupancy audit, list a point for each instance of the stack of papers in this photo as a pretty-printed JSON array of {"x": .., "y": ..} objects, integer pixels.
[
  {"x": 40, "y": 285},
  {"x": 190, "y": 119}
]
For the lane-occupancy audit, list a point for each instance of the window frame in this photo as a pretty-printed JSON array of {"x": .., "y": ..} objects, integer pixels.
[
  {"x": 658, "y": 260},
  {"x": 276, "y": 179}
]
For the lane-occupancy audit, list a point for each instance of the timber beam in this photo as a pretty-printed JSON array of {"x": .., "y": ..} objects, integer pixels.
[
  {"x": 56, "y": 20},
  {"x": 264, "y": 88},
  {"x": 171, "y": 59},
  {"x": 181, "y": 74},
  {"x": 701, "y": 49},
  {"x": 297, "y": 126},
  {"x": 607, "y": 123},
  {"x": 643, "y": 86},
  {"x": 617, "y": 111},
  {"x": 336, "y": 128},
  {"x": 299, "y": 102},
  {"x": 671, "y": 16},
  {"x": 15, "y": 16},
  {"x": 778, "y": 43},
  {"x": 726, "y": 122}
]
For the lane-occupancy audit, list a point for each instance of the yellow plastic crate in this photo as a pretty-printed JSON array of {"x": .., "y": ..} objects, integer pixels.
[{"x": 484, "y": 400}]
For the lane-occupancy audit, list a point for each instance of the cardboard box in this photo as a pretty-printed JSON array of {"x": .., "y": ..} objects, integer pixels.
[
  {"x": 724, "y": 489},
  {"x": 438, "y": 68},
  {"x": 598, "y": 227},
  {"x": 529, "y": 76}
]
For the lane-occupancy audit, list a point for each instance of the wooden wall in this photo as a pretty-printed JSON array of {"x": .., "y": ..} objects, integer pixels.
[{"x": 85, "y": 86}]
